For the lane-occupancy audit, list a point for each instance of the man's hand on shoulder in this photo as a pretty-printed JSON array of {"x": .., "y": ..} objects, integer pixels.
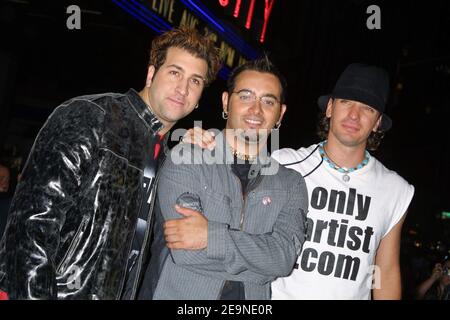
[{"x": 204, "y": 139}]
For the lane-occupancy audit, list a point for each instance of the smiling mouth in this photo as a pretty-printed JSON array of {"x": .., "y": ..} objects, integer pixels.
[{"x": 253, "y": 122}]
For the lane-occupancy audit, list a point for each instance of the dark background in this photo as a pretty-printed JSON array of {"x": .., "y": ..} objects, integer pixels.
[{"x": 42, "y": 64}]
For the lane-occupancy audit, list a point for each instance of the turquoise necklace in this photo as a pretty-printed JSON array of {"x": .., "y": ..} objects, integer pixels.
[{"x": 343, "y": 170}]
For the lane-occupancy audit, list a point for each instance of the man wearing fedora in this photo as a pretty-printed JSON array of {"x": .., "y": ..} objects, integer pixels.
[{"x": 357, "y": 205}]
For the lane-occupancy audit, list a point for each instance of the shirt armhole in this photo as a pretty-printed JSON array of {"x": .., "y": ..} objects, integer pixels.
[{"x": 400, "y": 213}]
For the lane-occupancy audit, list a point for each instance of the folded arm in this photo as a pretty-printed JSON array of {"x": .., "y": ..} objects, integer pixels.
[{"x": 228, "y": 253}]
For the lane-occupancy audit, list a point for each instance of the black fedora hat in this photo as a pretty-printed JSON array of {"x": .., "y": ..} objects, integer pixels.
[{"x": 363, "y": 83}]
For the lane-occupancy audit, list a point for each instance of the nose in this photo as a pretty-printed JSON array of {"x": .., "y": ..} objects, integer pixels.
[
  {"x": 256, "y": 107},
  {"x": 354, "y": 111},
  {"x": 183, "y": 87}
]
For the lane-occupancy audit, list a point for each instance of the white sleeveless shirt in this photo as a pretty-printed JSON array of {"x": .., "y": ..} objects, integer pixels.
[{"x": 346, "y": 222}]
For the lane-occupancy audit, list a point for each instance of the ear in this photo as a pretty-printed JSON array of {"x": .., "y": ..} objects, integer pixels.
[
  {"x": 329, "y": 109},
  {"x": 377, "y": 124},
  {"x": 282, "y": 111},
  {"x": 225, "y": 101},
  {"x": 150, "y": 74}
]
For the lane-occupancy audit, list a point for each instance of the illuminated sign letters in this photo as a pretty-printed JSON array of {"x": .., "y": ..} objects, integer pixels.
[
  {"x": 250, "y": 4},
  {"x": 162, "y": 15}
]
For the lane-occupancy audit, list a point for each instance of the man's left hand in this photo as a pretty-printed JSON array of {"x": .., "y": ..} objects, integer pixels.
[
  {"x": 205, "y": 139},
  {"x": 187, "y": 233}
]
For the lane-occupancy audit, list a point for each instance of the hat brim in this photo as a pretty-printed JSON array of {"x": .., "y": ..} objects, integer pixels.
[{"x": 386, "y": 121}]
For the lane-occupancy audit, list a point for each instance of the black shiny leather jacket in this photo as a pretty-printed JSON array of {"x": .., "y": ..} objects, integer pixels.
[{"x": 74, "y": 213}]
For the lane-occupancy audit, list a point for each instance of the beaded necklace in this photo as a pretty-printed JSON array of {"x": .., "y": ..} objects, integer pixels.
[
  {"x": 343, "y": 170},
  {"x": 242, "y": 156}
]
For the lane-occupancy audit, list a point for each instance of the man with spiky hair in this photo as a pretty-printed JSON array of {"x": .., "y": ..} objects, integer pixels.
[
  {"x": 238, "y": 223},
  {"x": 81, "y": 215}
]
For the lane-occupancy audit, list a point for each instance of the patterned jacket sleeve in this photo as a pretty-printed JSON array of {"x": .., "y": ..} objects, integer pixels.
[{"x": 53, "y": 173}]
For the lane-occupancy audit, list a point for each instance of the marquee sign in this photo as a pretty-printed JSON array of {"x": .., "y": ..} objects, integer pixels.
[
  {"x": 248, "y": 9},
  {"x": 162, "y": 15}
]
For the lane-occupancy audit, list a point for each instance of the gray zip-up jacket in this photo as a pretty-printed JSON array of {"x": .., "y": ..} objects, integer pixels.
[{"x": 254, "y": 236}]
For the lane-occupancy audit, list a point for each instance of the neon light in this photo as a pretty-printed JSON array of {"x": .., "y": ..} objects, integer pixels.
[
  {"x": 210, "y": 17},
  {"x": 225, "y": 32},
  {"x": 153, "y": 21},
  {"x": 267, "y": 11},
  {"x": 148, "y": 18},
  {"x": 137, "y": 17},
  {"x": 152, "y": 14},
  {"x": 205, "y": 15},
  {"x": 223, "y": 73},
  {"x": 237, "y": 8},
  {"x": 248, "y": 24}
]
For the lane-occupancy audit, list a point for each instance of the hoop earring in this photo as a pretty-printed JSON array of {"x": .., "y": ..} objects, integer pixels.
[
  {"x": 277, "y": 126},
  {"x": 196, "y": 106},
  {"x": 224, "y": 115}
]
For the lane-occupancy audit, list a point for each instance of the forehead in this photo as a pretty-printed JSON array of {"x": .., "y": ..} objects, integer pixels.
[
  {"x": 260, "y": 82},
  {"x": 186, "y": 60}
]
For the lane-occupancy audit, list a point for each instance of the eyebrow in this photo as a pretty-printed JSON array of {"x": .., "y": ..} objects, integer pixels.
[
  {"x": 272, "y": 96},
  {"x": 264, "y": 95},
  {"x": 242, "y": 90},
  {"x": 196, "y": 75}
]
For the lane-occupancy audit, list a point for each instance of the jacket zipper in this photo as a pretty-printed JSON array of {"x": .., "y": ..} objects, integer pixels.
[
  {"x": 244, "y": 199},
  {"x": 75, "y": 242},
  {"x": 244, "y": 196},
  {"x": 241, "y": 222}
]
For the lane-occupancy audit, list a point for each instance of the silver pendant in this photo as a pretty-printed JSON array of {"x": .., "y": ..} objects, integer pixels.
[{"x": 346, "y": 178}]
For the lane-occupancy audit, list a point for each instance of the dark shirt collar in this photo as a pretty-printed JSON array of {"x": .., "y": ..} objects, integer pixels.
[
  {"x": 263, "y": 160},
  {"x": 144, "y": 111}
]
